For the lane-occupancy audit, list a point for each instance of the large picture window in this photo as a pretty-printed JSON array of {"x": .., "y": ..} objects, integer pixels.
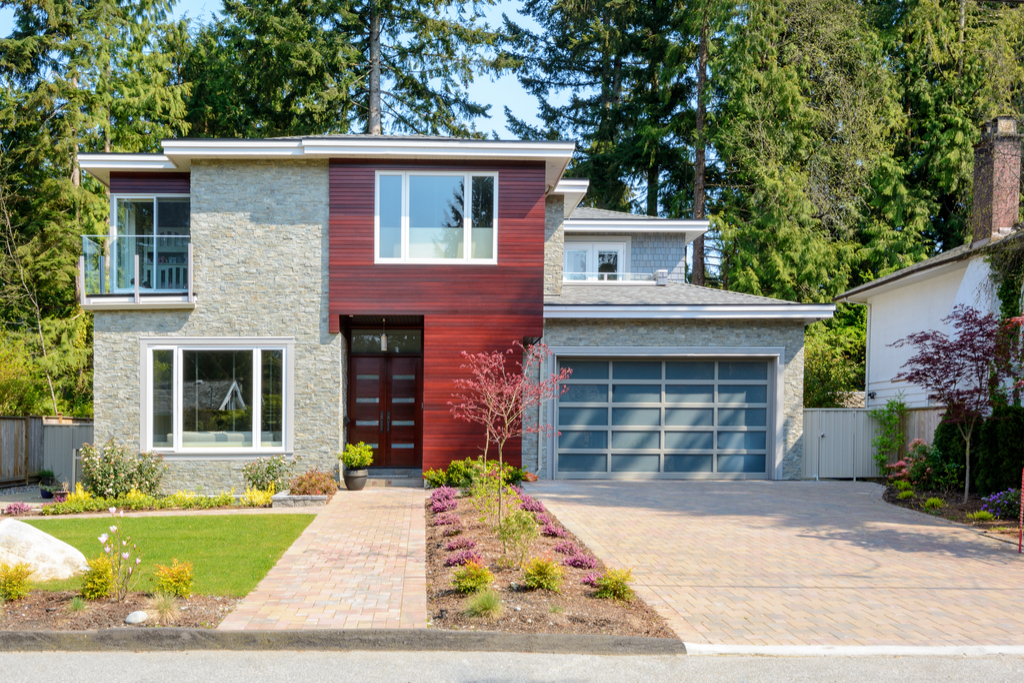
[
  {"x": 436, "y": 217},
  {"x": 218, "y": 398}
]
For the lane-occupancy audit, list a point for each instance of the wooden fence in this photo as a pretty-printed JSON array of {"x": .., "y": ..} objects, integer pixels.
[
  {"x": 837, "y": 442},
  {"x": 30, "y": 444}
]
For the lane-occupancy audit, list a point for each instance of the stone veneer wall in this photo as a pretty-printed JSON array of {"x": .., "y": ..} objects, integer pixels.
[
  {"x": 650, "y": 252},
  {"x": 554, "y": 243},
  {"x": 260, "y": 242},
  {"x": 693, "y": 333}
]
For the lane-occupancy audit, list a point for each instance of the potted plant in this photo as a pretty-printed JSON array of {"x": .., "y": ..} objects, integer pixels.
[
  {"x": 47, "y": 483},
  {"x": 355, "y": 459}
]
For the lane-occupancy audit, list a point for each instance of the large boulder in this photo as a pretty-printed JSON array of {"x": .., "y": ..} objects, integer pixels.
[{"x": 50, "y": 558}]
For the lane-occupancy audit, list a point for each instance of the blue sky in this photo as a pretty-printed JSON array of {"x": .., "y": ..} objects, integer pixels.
[{"x": 500, "y": 93}]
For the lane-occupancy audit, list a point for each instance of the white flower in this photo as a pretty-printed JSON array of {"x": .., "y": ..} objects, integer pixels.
[
  {"x": 103, "y": 538},
  {"x": 112, "y": 510},
  {"x": 137, "y": 560},
  {"x": 124, "y": 556},
  {"x": 113, "y": 529},
  {"x": 106, "y": 548}
]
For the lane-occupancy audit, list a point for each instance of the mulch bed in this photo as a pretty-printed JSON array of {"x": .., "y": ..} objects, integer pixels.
[
  {"x": 955, "y": 510},
  {"x": 51, "y": 611},
  {"x": 576, "y": 610}
]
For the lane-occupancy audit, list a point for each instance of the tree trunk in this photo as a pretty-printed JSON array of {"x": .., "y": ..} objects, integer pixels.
[
  {"x": 700, "y": 152},
  {"x": 963, "y": 30},
  {"x": 967, "y": 468},
  {"x": 373, "y": 123}
]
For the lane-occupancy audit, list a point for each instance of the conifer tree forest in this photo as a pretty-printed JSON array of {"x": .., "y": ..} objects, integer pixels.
[{"x": 829, "y": 142}]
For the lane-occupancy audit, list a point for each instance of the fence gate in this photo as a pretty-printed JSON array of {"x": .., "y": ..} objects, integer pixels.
[{"x": 14, "y": 449}]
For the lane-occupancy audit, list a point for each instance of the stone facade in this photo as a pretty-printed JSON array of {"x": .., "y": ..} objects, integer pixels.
[
  {"x": 649, "y": 252},
  {"x": 554, "y": 243},
  {"x": 260, "y": 242},
  {"x": 693, "y": 333}
]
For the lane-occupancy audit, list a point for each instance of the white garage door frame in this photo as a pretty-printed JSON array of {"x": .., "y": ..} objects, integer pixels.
[{"x": 776, "y": 356}]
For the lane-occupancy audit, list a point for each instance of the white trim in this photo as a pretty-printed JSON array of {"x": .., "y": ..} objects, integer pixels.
[
  {"x": 624, "y": 245},
  {"x": 467, "y": 219},
  {"x": 636, "y": 225},
  {"x": 99, "y": 166},
  {"x": 862, "y": 294},
  {"x": 127, "y": 303},
  {"x": 178, "y": 344},
  {"x": 572, "y": 190},
  {"x": 806, "y": 312},
  {"x": 774, "y": 354}
]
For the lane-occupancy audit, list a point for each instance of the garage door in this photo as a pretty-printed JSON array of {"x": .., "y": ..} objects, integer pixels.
[{"x": 664, "y": 419}]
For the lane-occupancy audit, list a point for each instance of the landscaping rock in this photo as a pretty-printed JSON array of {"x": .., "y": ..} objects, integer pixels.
[
  {"x": 136, "y": 617},
  {"x": 49, "y": 557}
]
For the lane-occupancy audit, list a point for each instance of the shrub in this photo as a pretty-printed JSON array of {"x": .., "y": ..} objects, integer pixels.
[
  {"x": 980, "y": 516},
  {"x": 554, "y": 531},
  {"x": 580, "y": 561},
  {"x": 472, "y": 577},
  {"x": 905, "y": 495},
  {"x": 542, "y": 519},
  {"x": 889, "y": 434},
  {"x": 443, "y": 493},
  {"x": 14, "y": 581},
  {"x": 615, "y": 585},
  {"x": 112, "y": 470},
  {"x": 165, "y": 605},
  {"x": 356, "y": 456},
  {"x": 254, "y": 498},
  {"x": 934, "y": 504},
  {"x": 902, "y": 485},
  {"x": 926, "y": 468},
  {"x": 81, "y": 495},
  {"x": 567, "y": 548},
  {"x": 462, "y": 557},
  {"x": 486, "y": 603},
  {"x": 453, "y": 529},
  {"x": 313, "y": 483},
  {"x": 530, "y": 504},
  {"x": 1004, "y": 505},
  {"x": 460, "y": 544},
  {"x": 444, "y": 505},
  {"x": 517, "y": 532},
  {"x": 435, "y": 478},
  {"x": 590, "y": 579},
  {"x": 175, "y": 580},
  {"x": 98, "y": 582},
  {"x": 17, "y": 509},
  {"x": 462, "y": 474},
  {"x": 446, "y": 519},
  {"x": 262, "y": 473},
  {"x": 542, "y": 574}
]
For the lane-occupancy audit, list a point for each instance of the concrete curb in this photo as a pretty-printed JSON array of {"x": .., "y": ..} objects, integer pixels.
[
  {"x": 374, "y": 640},
  {"x": 700, "y": 649}
]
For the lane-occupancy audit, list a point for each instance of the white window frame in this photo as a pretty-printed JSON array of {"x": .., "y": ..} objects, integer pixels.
[
  {"x": 624, "y": 245},
  {"x": 467, "y": 219},
  {"x": 180, "y": 344},
  {"x": 156, "y": 217}
]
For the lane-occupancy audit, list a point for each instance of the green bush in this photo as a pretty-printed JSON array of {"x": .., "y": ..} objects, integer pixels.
[
  {"x": 263, "y": 473},
  {"x": 934, "y": 504},
  {"x": 888, "y": 438},
  {"x": 543, "y": 574},
  {"x": 615, "y": 585},
  {"x": 486, "y": 603},
  {"x": 14, "y": 581},
  {"x": 472, "y": 577},
  {"x": 905, "y": 495},
  {"x": 1000, "y": 457},
  {"x": 902, "y": 485},
  {"x": 134, "y": 500},
  {"x": 98, "y": 582},
  {"x": 356, "y": 456},
  {"x": 113, "y": 470},
  {"x": 517, "y": 532},
  {"x": 176, "y": 580},
  {"x": 948, "y": 442},
  {"x": 435, "y": 478},
  {"x": 981, "y": 516},
  {"x": 463, "y": 474}
]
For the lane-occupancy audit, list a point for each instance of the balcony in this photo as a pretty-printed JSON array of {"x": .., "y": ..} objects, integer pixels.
[
  {"x": 658, "y": 277},
  {"x": 134, "y": 272}
]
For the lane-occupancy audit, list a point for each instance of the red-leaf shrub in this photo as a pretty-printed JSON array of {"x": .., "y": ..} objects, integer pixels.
[
  {"x": 462, "y": 557},
  {"x": 590, "y": 579},
  {"x": 444, "y": 505},
  {"x": 447, "y": 519},
  {"x": 554, "y": 531},
  {"x": 580, "y": 561},
  {"x": 313, "y": 483},
  {"x": 463, "y": 543},
  {"x": 567, "y": 548}
]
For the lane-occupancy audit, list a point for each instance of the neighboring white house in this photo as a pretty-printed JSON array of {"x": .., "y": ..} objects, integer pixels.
[{"x": 918, "y": 297}]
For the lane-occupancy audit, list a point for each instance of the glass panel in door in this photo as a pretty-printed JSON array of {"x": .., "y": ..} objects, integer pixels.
[
  {"x": 608, "y": 264},
  {"x": 575, "y": 263},
  {"x": 403, "y": 412},
  {"x": 366, "y": 408},
  {"x": 135, "y": 221}
]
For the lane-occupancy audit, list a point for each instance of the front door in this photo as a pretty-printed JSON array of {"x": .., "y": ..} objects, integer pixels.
[{"x": 384, "y": 408}]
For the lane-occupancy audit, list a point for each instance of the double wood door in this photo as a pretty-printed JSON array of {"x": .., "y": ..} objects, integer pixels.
[{"x": 385, "y": 408}]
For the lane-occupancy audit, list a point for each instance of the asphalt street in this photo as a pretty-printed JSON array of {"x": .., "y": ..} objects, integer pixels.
[{"x": 432, "y": 667}]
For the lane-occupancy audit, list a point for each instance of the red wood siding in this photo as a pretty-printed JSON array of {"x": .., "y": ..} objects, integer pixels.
[
  {"x": 465, "y": 307},
  {"x": 156, "y": 183}
]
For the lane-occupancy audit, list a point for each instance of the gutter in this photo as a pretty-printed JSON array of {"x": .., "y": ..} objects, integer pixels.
[{"x": 803, "y": 312}]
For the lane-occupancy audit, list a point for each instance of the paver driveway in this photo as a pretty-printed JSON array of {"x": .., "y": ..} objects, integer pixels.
[{"x": 798, "y": 563}]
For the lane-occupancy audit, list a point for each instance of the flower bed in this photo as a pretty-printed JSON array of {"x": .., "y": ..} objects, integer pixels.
[
  {"x": 954, "y": 509},
  {"x": 53, "y": 611},
  {"x": 574, "y": 609}
]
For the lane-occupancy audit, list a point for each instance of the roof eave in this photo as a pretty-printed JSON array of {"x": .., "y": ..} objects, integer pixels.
[
  {"x": 99, "y": 166},
  {"x": 801, "y": 312}
]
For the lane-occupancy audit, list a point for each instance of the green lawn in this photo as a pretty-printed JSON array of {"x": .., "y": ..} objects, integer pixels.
[{"x": 229, "y": 553}]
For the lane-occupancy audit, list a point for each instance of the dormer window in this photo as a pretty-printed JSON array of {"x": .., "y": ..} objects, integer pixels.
[
  {"x": 588, "y": 261},
  {"x": 436, "y": 217}
]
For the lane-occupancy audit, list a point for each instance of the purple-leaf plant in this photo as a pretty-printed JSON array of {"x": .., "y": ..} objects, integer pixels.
[
  {"x": 553, "y": 531},
  {"x": 442, "y": 493},
  {"x": 531, "y": 504},
  {"x": 463, "y": 543},
  {"x": 542, "y": 519},
  {"x": 462, "y": 557},
  {"x": 580, "y": 561},
  {"x": 590, "y": 579},
  {"x": 447, "y": 519},
  {"x": 444, "y": 505},
  {"x": 17, "y": 509},
  {"x": 567, "y": 548}
]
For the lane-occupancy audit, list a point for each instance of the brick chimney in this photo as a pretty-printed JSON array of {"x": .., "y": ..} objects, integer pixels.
[{"x": 996, "y": 179}]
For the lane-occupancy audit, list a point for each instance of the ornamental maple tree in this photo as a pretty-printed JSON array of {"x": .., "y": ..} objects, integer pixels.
[
  {"x": 962, "y": 371},
  {"x": 501, "y": 391}
]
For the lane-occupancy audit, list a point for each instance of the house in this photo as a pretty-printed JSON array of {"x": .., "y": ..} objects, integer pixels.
[
  {"x": 918, "y": 297},
  {"x": 291, "y": 295}
]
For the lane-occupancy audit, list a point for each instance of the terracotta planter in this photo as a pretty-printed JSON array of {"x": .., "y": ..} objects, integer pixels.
[{"x": 355, "y": 480}]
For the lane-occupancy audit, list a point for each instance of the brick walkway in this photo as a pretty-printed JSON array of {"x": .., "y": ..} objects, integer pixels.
[
  {"x": 360, "y": 564},
  {"x": 798, "y": 563}
]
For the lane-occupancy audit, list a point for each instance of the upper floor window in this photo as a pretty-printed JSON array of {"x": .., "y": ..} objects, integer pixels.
[
  {"x": 156, "y": 230},
  {"x": 436, "y": 217},
  {"x": 594, "y": 261}
]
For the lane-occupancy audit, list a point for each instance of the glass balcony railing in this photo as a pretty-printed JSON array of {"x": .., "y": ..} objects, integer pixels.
[
  {"x": 136, "y": 265},
  {"x": 608, "y": 277}
]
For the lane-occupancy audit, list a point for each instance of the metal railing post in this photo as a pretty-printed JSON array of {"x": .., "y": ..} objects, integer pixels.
[
  {"x": 103, "y": 269},
  {"x": 191, "y": 296},
  {"x": 136, "y": 280}
]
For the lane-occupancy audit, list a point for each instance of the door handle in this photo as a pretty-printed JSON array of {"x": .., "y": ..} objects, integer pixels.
[
  {"x": 381, "y": 421},
  {"x": 389, "y": 421}
]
